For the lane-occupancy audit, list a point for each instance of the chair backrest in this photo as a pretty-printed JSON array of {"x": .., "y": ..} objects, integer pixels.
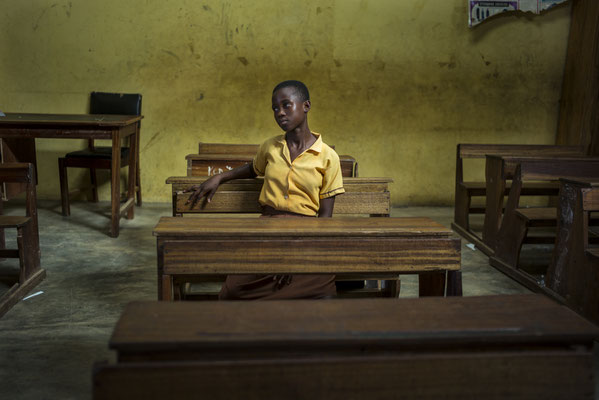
[{"x": 115, "y": 103}]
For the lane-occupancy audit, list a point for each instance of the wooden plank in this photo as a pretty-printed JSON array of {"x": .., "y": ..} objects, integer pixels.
[
  {"x": 19, "y": 119},
  {"x": 188, "y": 330},
  {"x": 294, "y": 255},
  {"x": 579, "y": 105},
  {"x": 573, "y": 274},
  {"x": 227, "y": 148},
  {"x": 525, "y": 376},
  {"x": 247, "y": 202},
  {"x": 299, "y": 227},
  {"x": 213, "y": 164},
  {"x": 467, "y": 150},
  {"x": 13, "y": 221},
  {"x": 363, "y": 196},
  {"x": 590, "y": 197}
]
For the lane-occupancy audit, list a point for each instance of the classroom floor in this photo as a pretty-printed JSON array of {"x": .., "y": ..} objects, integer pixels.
[{"x": 49, "y": 342}]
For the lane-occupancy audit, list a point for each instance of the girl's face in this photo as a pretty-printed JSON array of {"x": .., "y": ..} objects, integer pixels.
[{"x": 289, "y": 110}]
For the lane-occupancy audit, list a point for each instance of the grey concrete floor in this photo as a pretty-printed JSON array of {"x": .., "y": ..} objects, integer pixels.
[{"x": 49, "y": 342}]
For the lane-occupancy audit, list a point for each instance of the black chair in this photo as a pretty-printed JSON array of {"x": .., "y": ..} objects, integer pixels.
[{"x": 100, "y": 157}]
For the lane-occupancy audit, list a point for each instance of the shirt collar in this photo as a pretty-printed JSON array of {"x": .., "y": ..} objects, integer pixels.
[{"x": 315, "y": 148}]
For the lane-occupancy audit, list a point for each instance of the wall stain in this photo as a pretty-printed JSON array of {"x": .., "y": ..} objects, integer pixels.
[
  {"x": 37, "y": 22},
  {"x": 150, "y": 143},
  {"x": 68, "y": 9},
  {"x": 318, "y": 10},
  {"x": 378, "y": 64},
  {"x": 200, "y": 97},
  {"x": 449, "y": 65},
  {"x": 170, "y": 53},
  {"x": 337, "y": 63},
  {"x": 307, "y": 63},
  {"x": 243, "y": 60},
  {"x": 487, "y": 63},
  {"x": 206, "y": 8}
]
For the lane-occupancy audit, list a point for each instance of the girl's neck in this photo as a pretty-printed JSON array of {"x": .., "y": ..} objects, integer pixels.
[{"x": 300, "y": 137}]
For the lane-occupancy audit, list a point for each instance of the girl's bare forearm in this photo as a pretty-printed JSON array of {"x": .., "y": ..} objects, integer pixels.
[{"x": 244, "y": 172}]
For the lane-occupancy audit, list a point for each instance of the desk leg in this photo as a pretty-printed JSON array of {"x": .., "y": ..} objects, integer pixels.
[
  {"x": 132, "y": 173},
  {"x": 115, "y": 183},
  {"x": 167, "y": 288},
  {"x": 454, "y": 283},
  {"x": 431, "y": 284}
]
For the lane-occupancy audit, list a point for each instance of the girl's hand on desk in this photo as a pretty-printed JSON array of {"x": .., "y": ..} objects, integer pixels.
[{"x": 206, "y": 189}]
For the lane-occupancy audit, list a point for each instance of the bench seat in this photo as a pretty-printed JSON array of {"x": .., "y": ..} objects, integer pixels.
[{"x": 9, "y": 221}]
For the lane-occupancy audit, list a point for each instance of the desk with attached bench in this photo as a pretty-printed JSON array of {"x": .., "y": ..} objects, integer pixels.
[
  {"x": 495, "y": 347},
  {"x": 200, "y": 247}
]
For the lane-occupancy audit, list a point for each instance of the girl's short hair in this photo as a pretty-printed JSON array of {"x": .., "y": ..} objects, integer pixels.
[{"x": 299, "y": 87}]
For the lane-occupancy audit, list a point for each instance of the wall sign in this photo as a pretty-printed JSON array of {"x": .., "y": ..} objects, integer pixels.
[{"x": 479, "y": 10}]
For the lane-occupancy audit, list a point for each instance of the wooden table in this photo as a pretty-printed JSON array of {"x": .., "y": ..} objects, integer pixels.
[
  {"x": 189, "y": 247},
  {"x": 492, "y": 347},
  {"x": 27, "y": 127}
]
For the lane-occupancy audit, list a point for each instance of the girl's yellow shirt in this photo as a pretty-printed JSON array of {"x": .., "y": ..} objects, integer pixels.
[{"x": 297, "y": 186}]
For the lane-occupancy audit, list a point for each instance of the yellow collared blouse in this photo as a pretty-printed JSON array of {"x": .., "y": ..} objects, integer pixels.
[{"x": 297, "y": 186}]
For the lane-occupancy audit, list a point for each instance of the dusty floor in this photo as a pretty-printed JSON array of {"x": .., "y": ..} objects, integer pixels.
[{"x": 49, "y": 342}]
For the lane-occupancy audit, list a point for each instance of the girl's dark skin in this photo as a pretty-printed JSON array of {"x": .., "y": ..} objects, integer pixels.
[{"x": 291, "y": 115}]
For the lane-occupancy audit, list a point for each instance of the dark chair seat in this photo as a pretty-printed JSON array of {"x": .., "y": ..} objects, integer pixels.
[{"x": 98, "y": 152}]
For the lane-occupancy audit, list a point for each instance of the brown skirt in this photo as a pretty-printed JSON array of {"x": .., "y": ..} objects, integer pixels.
[{"x": 278, "y": 287}]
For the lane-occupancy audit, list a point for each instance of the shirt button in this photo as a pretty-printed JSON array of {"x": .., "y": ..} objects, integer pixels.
[{"x": 285, "y": 197}]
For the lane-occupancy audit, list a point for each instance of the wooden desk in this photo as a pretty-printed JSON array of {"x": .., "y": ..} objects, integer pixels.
[
  {"x": 27, "y": 127},
  {"x": 465, "y": 190},
  {"x": 189, "y": 247},
  {"x": 493, "y": 347},
  {"x": 517, "y": 221}
]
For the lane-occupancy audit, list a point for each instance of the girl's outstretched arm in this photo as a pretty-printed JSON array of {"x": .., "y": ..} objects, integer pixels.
[{"x": 209, "y": 186}]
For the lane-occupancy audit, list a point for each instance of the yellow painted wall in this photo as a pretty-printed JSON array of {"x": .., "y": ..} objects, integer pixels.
[{"x": 395, "y": 83}]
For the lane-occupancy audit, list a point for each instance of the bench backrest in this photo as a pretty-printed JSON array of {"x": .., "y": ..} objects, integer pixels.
[
  {"x": 230, "y": 148},
  {"x": 227, "y": 148},
  {"x": 362, "y": 196},
  {"x": 215, "y": 158}
]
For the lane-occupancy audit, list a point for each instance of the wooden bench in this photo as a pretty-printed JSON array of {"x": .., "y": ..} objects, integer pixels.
[
  {"x": 494, "y": 347},
  {"x": 362, "y": 196},
  {"x": 28, "y": 248},
  {"x": 465, "y": 190},
  {"x": 499, "y": 170},
  {"x": 190, "y": 248},
  {"x": 574, "y": 270},
  {"x": 215, "y": 158},
  {"x": 516, "y": 221}
]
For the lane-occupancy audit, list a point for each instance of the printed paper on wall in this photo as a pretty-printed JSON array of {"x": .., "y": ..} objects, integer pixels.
[{"x": 479, "y": 10}]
